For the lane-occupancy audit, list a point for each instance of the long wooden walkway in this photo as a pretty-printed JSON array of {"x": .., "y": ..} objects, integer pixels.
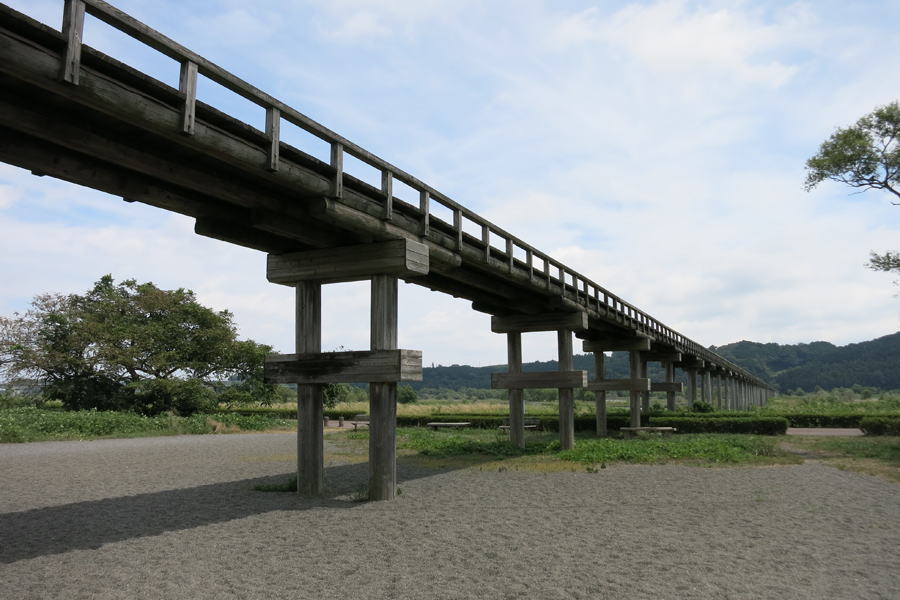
[{"x": 73, "y": 113}]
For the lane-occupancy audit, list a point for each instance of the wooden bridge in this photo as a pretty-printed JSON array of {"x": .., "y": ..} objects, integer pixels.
[{"x": 71, "y": 112}]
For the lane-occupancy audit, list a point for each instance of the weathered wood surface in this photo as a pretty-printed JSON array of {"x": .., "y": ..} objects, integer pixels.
[
  {"x": 640, "y": 384},
  {"x": 575, "y": 321},
  {"x": 540, "y": 380},
  {"x": 359, "y": 366},
  {"x": 112, "y": 105},
  {"x": 516, "y": 396},
  {"x": 400, "y": 258},
  {"x": 664, "y": 386},
  {"x": 566, "y": 392},
  {"x": 310, "y": 397},
  {"x": 641, "y": 344},
  {"x": 383, "y": 396}
]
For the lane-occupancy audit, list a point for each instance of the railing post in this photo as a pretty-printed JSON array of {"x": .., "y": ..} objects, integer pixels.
[
  {"x": 424, "y": 198},
  {"x": 273, "y": 132},
  {"x": 337, "y": 163},
  {"x": 457, "y": 226},
  {"x": 387, "y": 188},
  {"x": 187, "y": 85},
  {"x": 486, "y": 240},
  {"x": 73, "y": 33}
]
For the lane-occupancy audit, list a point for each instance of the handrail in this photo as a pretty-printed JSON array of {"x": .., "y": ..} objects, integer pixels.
[{"x": 193, "y": 64}]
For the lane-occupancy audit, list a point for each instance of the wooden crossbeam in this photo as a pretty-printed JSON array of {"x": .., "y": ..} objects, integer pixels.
[
  {"x": 666, "y": 386},
  {"x": 541, "y": 380},
  {"x": 372, "y": 366},
  {"x": 400, "y": 258},
  {"x": 620, "y": 385},
  {"x": 663, "y": 356},
  {"x": 573, "y": 321},
  {"x": 612, "y": 345}
]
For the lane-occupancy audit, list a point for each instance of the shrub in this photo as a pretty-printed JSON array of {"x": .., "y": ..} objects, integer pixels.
[
  {"x": 757, "y": 425},
  {"x": 880, "y": 425},
  {"x": 702, "y": 407},
  {"x": 182, "y": 397}
]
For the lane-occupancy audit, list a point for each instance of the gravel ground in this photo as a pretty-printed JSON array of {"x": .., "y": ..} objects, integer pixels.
[{"x": 177, "y": 517}]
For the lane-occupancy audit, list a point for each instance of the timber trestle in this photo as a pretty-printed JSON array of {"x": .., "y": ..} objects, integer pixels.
[{"x": 71, "y": 112}]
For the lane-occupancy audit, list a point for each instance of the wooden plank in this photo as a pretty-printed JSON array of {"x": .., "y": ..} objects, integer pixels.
[
  {"x": 662, "y": 356},
  {"x": 515, "y": 396},
  {"x": 273, "y": 133},
  {"x": 383, "y": 396},
  {"x": 566, "y": 394},
  {"x": 574, "y": 321},
  {"x": 187, "y": 85},
  {"x": 399, "y": 258},
  {"x": 310, "y": 427},
  {"x": 666, "y": 386},
  {"x": 541, "y": 380},
  {"x": 358, "y": 366},
  {"x": 614, "y": 345},
  {"x": 72, "y": 31},
  {"x": 639, "y": 384},
  {"x": 387, "y": 189}
]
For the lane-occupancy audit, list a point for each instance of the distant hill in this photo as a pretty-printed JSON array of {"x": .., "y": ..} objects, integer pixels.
[{"x": 875, "y": 363}]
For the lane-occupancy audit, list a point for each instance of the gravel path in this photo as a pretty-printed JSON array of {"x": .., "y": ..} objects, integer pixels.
[{"x": 177, "y": 517}]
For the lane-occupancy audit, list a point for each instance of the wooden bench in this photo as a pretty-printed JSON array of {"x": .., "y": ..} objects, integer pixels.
[
  {"x": 439, "y": 425},
  {"x": 533, "y": 424},
  {"x": 631, "y": 432},
  {"x": 359, "y": 421}
]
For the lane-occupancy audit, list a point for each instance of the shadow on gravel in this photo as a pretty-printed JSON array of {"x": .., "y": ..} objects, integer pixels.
[{"x": 91, "y": 524}]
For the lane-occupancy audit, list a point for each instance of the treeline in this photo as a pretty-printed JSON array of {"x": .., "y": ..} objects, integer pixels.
[{"x": 788, "y": 367}]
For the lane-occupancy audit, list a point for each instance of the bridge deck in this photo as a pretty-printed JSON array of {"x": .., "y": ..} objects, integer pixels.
[{"x": 92, "y": 120}]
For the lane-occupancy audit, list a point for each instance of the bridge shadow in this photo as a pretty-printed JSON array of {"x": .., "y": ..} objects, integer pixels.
[{"x": 91, "y": 524}]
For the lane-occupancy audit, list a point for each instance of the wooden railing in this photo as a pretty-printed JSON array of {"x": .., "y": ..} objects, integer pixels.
[{"x": 539, "y": 266}]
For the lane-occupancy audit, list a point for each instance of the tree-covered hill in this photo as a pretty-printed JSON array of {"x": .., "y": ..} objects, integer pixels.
[{"x": 875, "y": 363}]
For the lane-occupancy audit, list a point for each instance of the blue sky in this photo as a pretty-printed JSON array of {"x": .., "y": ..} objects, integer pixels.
[{"x": 656, "y": 147}]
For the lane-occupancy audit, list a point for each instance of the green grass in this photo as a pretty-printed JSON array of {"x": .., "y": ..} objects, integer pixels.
[
  {"x": 33, "y": 424},
  {"x": 702, "y": 448},
  {"x": 885, "y": 448},
  {"x": 708, "y": 449}
]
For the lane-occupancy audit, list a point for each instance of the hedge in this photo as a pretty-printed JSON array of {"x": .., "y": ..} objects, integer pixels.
[
  {"x": 880, "y": 425},
  {"x": 810, "y": 419},
  {"x": 704, "y": 424}
]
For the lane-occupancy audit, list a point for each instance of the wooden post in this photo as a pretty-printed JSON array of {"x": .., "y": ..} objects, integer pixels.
[
  {"x": 670, "y": 378},
  {"x": 516, "y": 396},
  {"x": 383, "y": 396},
  {"x": 72, "y": 31},
  {"x": 718, "y": 391},
  {"x": 692, "y": 384},
  {"x": 600, "y": 396},
  {"x": 310, "y": 435},
  {"x": 634, "y": 408},
  {"x": 645, "y": 396},
  {"x": 566, "y": 395}
]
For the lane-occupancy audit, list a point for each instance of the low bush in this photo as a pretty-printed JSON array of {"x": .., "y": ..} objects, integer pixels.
[
  {"x": 880, "y": 425},
  {"x": 712, "y": 448},
  {"x": 704, "y": 424}
]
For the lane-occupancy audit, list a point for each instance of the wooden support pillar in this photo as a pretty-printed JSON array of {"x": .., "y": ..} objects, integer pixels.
[
  {"x": 310, "y": 427},
  {"x": 669, "y": 367},
  {"x": 634, "y": 406},
  {"x": 383, "y": 396},
  {"x": 600, "y": 396},
  {"x": 692, "y": 384},
  {"x": 566, "y": 395},
  {"x": 516, "y": 396},
  {"x": 706, "y": 386},
  {"x": 718, "y": 392},
  {"x": 645, "y": 396}
]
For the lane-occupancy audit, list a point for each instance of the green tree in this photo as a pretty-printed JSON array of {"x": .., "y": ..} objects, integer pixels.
[
  {"x": 867, "y": 156},
  {"x": 99, "y": 350}
]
